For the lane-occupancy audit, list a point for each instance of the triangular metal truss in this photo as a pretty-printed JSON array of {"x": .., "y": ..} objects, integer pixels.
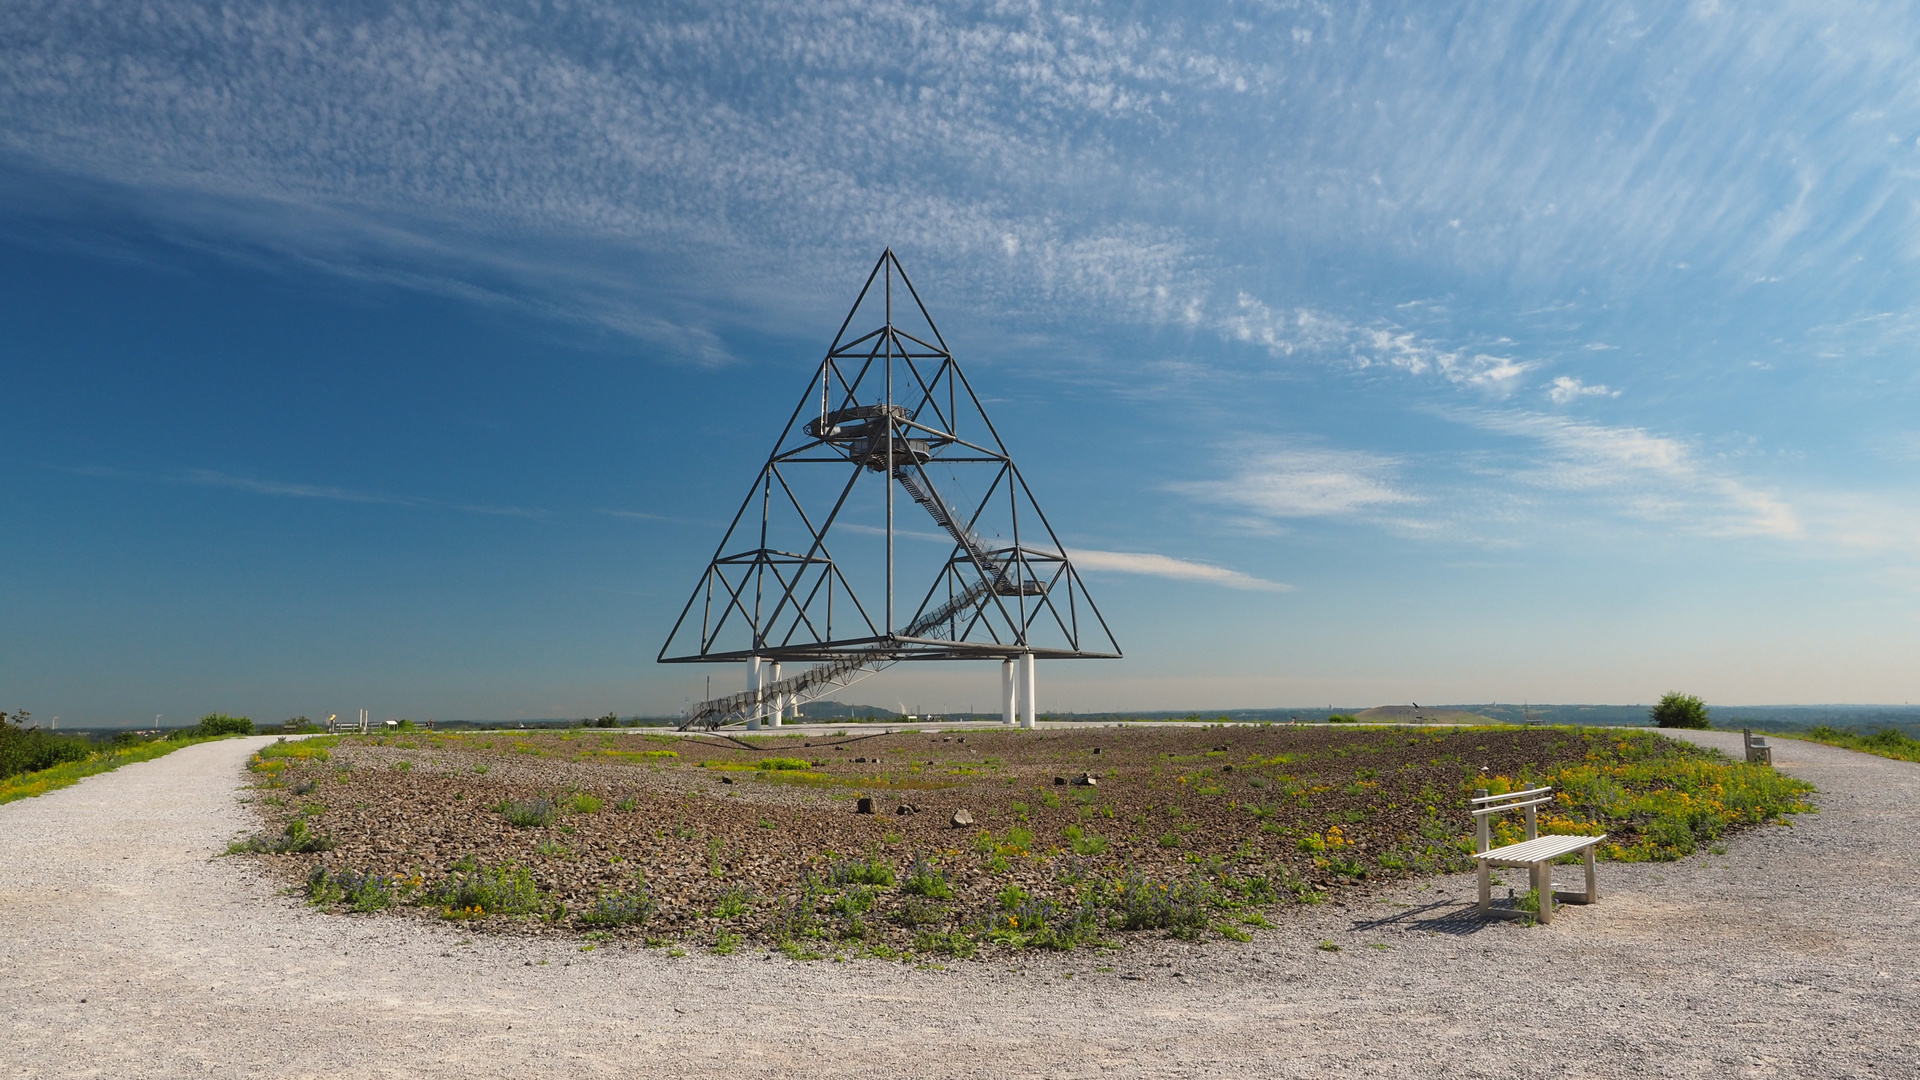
[{"x": 889, "y": 439}]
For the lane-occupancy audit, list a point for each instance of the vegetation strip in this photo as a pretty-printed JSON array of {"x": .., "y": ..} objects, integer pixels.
[
  {"x": 975, "y": 841},
  {"x": 1885, "y": 742},
  {"x": 34, "y": 762}
]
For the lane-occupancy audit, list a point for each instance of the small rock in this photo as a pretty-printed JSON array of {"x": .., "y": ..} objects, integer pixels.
[
  {"x": 1059, "y": 781},
  {"x": 726, "y": 779},
  {"x": 1086, "y": 779},
  {"x": 1096, "y": 749},
  {"x": 864, "y": 806},
  {"x": 1226, "y": 768},
  {"x": 906, "y": 808},
  {"x": 962, "y": 818}
]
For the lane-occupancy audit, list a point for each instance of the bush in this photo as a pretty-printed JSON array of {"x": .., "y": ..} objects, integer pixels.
[
  {"x": 925, "y": 879},
  {"x": 214, "y": 724},
  {"x": 860, "y": 872},
  {"x": 1677, "y": 710},
  {"x": 526, "y": 813},
  {"x": 488, "y": 890},
  {"x": 615, "y": 907},
  {"x": 298, "y": 839},
  {"x": 25, "y": 750},
  {"x": 1183, "y": 910},
  {"x": 360, "y": 892},
  {"x": 1886, "y": 742}
]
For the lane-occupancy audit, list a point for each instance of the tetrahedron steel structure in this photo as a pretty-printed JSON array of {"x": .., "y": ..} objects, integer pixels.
[{"x": 888, "y": 486}]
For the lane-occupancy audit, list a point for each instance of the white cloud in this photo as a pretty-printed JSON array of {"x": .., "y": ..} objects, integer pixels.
[
  {"x": 284, "y": 489},
  {"x": 1303, "y": 331},
  {"x": 1131, "y": 562},
  {"x": 288, "y": 490},
  {"x": 1036, "y": 155},
  {"x": 1305, "y": 482},
  {"x": 1649, "y": 476},
  {"x": 1566, "y": 389}
]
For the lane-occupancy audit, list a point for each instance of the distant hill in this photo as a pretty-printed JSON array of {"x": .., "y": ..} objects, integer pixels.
[{"x": 1407, "y": 714}]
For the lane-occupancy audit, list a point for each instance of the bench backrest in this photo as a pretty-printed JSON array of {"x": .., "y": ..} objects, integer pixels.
[{"x": 1485, "y": 806}]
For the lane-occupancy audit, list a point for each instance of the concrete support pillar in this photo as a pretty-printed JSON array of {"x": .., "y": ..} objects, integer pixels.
[
  {"x": 779, "y": 702},
  {"x": 754, "y": 675},
  {"x": 1028, "y": 711},
  {"x": 1009, "y": 700}
]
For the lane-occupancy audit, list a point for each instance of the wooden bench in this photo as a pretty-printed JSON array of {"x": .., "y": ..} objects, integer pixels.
[{"x": 1536, "y": 852}]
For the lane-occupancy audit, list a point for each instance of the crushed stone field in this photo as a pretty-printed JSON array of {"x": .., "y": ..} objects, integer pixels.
[{"x": 969, "y": 840}]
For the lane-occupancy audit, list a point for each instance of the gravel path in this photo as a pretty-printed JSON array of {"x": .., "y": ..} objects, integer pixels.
[{"x": 127, "y": 950}]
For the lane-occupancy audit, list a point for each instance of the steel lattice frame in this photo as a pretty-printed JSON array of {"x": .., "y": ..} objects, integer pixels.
[{"x": 891, "y": 402}]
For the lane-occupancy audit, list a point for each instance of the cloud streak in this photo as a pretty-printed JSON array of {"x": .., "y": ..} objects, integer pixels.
[
  {"x": 1163, "y": 566},
  {"x": 1305, "y": 482},
  {"x": 289, "y": 490}
]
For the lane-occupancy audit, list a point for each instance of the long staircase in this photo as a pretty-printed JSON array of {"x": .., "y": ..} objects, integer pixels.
[
  {"x": 994, "y": 568},
  {"x": 838, "y": 672},
  {"x": 851, "y": 668}
]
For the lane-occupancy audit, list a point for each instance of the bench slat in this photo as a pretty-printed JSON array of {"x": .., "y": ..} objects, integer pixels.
[
  {"x": 1512, "y": 795},
  {"x": 1539, "y": 849},
  {"x": 1486, "y": 810}
]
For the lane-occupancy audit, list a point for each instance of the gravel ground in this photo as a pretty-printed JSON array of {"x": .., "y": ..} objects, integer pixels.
[
  {"x": 1163, "y": 796},
  {"x": 127, "y": 949}
]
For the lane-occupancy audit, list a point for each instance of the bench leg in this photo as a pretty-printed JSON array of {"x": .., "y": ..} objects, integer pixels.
[
  {"x": 1543, "y": 886},
  {"x": 1486, "y": 889},
  {"x": 1593, "y": 882}
]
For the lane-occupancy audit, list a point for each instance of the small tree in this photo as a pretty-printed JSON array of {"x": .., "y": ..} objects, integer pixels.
[
  {"x": 221, "y": 724},
  {"x": 1677, "y": 710}
]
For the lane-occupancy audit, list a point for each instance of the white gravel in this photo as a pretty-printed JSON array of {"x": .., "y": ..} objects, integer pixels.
[{"x": 127, "y": 949}]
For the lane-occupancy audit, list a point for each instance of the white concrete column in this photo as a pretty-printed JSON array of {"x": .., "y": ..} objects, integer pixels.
[
  {"x": 754, "y": 675},
  {"x": 780, "y": 701},
  {"x": 1028, "y": 710},
  {"x": 1009, "y": 703}
]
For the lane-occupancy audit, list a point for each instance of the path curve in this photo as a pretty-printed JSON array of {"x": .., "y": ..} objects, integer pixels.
[{"x": 127, "y": 949}]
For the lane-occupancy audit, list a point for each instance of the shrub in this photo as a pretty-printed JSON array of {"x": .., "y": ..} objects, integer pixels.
[
  {"x": 1677, "y": 710},
  {"x": 25, "y": 750},
  {"x": 797, "y": 916},
  {"x": 526, "y": 813},
  {"x": 925, "y": 879},
  {"x": 952, "y": 943},
  {"x": 855, "y": 901},
  {"x": 783, "y": 764},
  {"x": 585, "y": 804},
  {"x": 1886, "y": 742},
  {"x": 298, "y": 839},
  {"x": 359, "y": 891},
  {"x": 215, "y": 724},
  {"x": 488, "y": 890},
  {"x": 619, "y": 908},
  {"x": 1085, "y": 843},
  {"x": 917, "y": 912},
  {"x": 873, "y": 871},
  {"x": 1140, "y": 903},
  {"x": 732, "y": 903}
]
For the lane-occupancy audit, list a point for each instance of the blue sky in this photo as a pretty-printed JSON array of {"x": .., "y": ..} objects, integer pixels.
[{"x": 413, "y": 357}]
